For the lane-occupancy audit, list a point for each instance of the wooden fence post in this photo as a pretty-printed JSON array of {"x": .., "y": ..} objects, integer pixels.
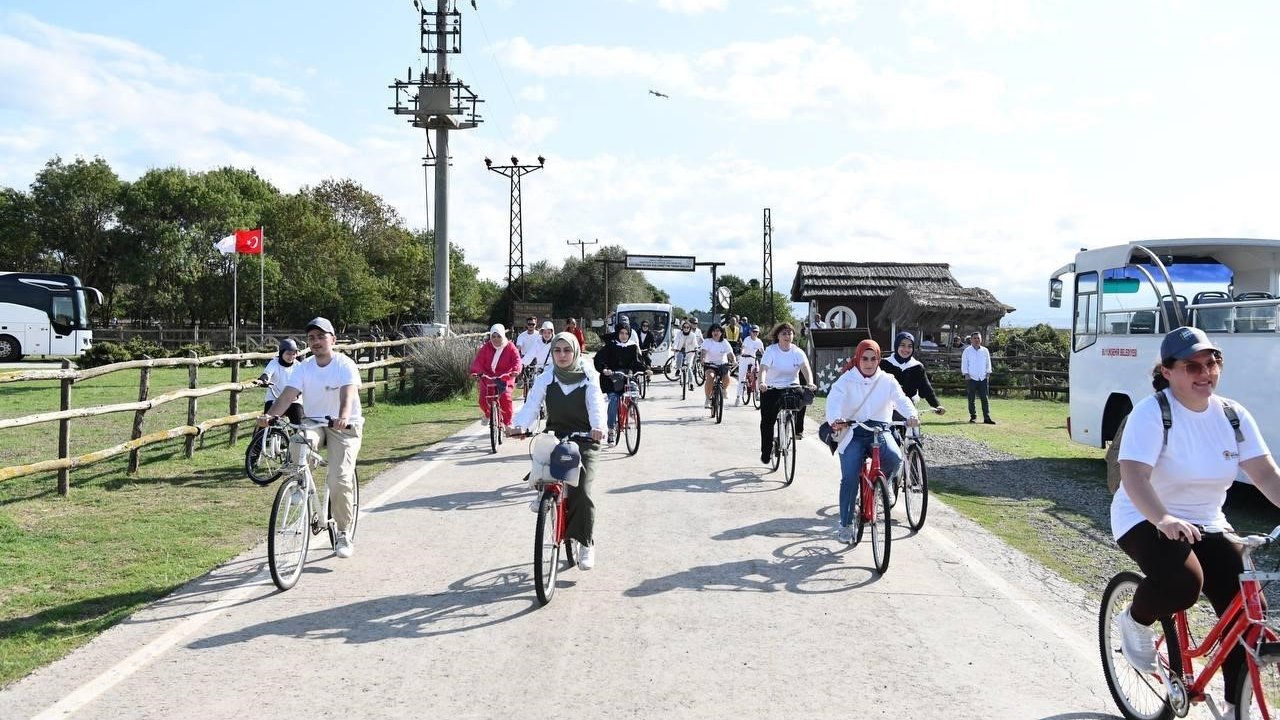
[
  {"x": 144, "y": 391},
  {"x": 371, "y": 389},
  {"x": 64, "y": 434},
  {"x": 193, "y": 376},
  {"x": 402, "y": 375},
  {"x": 234, "y": 405}
]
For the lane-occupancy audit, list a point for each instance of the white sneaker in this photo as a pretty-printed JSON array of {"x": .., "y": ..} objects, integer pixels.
[
  {"x": 707, "y": 404},
  {"x": 586, "y": 556},
  {"x": 342, "y": 547},
  {"x": 739, "y": 400},
  {"x": 535, "y": 503},
  {"x": 845, "y": 534},
  {"x": 1137, "y": 642}
]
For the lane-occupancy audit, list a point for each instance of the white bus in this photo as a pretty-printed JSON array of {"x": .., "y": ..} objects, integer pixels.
[
  {"x": 658, "y": 315},
  {"x": 1126, "y": 297},
  {"x": 43, "y": 314}
]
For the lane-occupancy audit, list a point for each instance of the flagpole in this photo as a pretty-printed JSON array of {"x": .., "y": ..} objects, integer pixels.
[
  {"x": 262, "y": 291},
  {"x": 235, "y": 297}
]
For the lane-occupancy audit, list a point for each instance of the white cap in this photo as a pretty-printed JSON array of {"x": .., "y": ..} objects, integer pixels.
[
  {"x": 548, "y": 326},
  {"x": 497, "y": 329}
]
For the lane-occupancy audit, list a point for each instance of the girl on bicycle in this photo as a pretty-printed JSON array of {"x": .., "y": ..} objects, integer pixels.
[
  {"x": 717, "y": 354},
  {"x": 752, "y": 349},
  {"x": 617, "y": 355},
  {"x": 276, "y": 377},
  {"x": 496, "y": 358},
  {"x": 574, "y": 404},
  {"x": 868, "y": 395},
  {"x": 908, "y": 371},
  {"x": 1167, "y": 513},
  {"x": 780, "y": 370}
]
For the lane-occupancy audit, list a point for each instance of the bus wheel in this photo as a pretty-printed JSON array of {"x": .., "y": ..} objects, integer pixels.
[{"x": 10, "y": 350}]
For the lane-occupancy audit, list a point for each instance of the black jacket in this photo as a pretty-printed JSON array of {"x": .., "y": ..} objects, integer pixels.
[
  {"x": 912, "y": 378},
  {"x": 617, "y": 357}
]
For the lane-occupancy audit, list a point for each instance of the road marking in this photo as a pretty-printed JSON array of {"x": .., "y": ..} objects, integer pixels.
[
  {"x": 90, "y": 691},
  {"x": 1028, "y": 605}
]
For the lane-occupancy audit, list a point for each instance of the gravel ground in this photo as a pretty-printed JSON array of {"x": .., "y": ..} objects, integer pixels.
[{"x": 1071, "y": 514}]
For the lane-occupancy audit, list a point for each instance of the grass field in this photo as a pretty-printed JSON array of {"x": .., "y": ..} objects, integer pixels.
[{"x": 73, "y": 566}]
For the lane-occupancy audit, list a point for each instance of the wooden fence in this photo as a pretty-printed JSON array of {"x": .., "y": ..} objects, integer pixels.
[
  {"x": 1038, "y": 376},
  {"x": 377, "y": 356}
]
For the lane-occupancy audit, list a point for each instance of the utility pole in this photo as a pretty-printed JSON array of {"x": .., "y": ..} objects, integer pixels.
[
  {"x": 713, "y": 266},
  {"x": 515, "y": 245},
  {"x": 766, "y": 277},
  {"x": 607, "y": 262},
  {"x": 436, "y": 101},
  {"x": 582, "y": 244}
]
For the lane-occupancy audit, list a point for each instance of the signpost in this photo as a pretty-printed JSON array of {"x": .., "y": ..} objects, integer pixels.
[{"x": 683, "y": 263}]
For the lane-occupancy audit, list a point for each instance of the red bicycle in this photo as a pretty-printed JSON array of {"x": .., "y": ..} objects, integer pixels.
[
  {"x": 750, "y": 384},
  {"x": 1175, "y": 685},
  {"x": 871, "y": 503},
  {"x": 629, "y": 410},
  {"x": 493, "y": 389},
  {"x": 549, "y": 533}
]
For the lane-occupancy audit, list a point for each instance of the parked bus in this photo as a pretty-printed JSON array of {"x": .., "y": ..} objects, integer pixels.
[
  {"x": 1126, "y": 297},
  {"x": 44, "y": 314},
  {"x": 658, "y": 315}
]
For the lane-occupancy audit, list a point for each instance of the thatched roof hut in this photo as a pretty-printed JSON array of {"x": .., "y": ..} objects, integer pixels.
[
  {"x": 912, "y": 306},
  {"x": 863, "y": 280}
]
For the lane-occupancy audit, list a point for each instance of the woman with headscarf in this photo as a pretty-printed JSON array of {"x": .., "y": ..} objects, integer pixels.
[
  {"x": 619, "y": 354},
  {"x": 574, "y": 404},
  {"x": 500, "y": 359},
  {"x": 276, "y": 377},
  {"x": 908, "y": 371},
  {"x": 868, "y": 395}
]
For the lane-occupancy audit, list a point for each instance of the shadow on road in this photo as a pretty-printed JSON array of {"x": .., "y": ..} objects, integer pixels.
[
  {"x": 481, "y": 600},
  {"x": 514, "y": 494},
  {"x": 1082, "y": 716},
  {"x": 729, "y": 480}
]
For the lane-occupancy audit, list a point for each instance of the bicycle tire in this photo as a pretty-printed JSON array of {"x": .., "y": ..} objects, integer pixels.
[
  {"x": 717, "y": 402},
  {"x": 1249, "y": 707},
  {"x": 916, "y": 479},
  {"x": 644, "y": 385},
  {"x": 881, "y": 536},
  {"x": 684, "y": 387},
  {"x": 265, "y": 469},
  {"x": 755, "y": 397},
  {"x": 631, "y": 432},
  {"x": 355, "y": 512},
  {"x": 288, "y": 534},
  {"x": 546, "y": 548},
  {"x": 493, "y": 427},
  {"x": 858, "y": 524},
  {"x": 789, "y": 449},
  {"x": 699, "y": 374},
  {"x": 776, "y": 460},
  {"x": 1140, "y": 696},
  {"x": 670, "y": 370}
]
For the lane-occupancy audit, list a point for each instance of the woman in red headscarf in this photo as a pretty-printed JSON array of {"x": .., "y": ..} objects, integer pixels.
[{"x": 869, "y": 395}]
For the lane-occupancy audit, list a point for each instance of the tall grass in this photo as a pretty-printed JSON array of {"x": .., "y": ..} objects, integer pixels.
[{"x": 441, "y": 370}]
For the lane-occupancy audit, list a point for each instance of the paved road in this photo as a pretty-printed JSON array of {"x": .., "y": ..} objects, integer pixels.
[{"x": 718, "y": 593}]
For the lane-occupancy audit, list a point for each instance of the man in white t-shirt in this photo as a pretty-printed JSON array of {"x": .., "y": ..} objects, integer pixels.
[
  {"x": 331, "y": 384},
  {"x": 975, "y": 366},
  {"x": 527, "y": 342}
]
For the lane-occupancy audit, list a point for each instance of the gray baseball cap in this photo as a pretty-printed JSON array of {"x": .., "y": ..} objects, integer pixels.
[
  {"x": 1184, "y": 342},
  {"x": 321, "y": 324}
]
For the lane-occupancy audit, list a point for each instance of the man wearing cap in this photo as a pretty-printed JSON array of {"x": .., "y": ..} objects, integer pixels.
[
  {"x": 499, "y": 359},
  {"x": 331, "y": 384}
]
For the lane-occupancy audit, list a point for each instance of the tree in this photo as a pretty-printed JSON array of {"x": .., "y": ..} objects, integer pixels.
[{"x": 20, "y": 247}]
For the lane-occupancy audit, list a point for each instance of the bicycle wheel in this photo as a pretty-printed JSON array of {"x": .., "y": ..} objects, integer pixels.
[
  {"x": 684, "y": 384},
  {"x": 699, "y": 374},
  {"x": 644, "y": 385},
  {"x": 717, "y": 403},
  {"x": 670, "y": 370},
  {"x": 263, "y": 464},
  {"x": 789, "y": 449},
  {"x": 916, "y": 479},
  {"x": 1139, "y": 695},
  {"x": 631, "y": 431},
  {"x": 755, "y": 395},
  {"x": 881, "y": 538},
  {"x": 493, "y": 427},
  {"x": 355, "y": 513},
  {"x": 858, "y": 523},
  {"x": 288, "y": 534},
  {"x": 778, "y": 428},
  {"x": 546, "y": 548},
  {"x": 1263, "y": 699}
]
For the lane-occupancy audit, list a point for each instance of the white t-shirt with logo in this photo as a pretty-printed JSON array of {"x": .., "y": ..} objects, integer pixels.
[
  {"x": 1191, "y": 473},
  {"x": 782, "y": 367},
  {"x": 321, "y": 387},
  {"x": 716, "y": 351}
]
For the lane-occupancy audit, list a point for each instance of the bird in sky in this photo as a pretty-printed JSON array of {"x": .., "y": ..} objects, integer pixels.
[{"x": 658, "y": 94}]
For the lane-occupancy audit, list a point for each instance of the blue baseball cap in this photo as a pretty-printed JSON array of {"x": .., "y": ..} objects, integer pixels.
[
  {"x": 1184, "y": 342},
  {"x": 566, "y": 462}
]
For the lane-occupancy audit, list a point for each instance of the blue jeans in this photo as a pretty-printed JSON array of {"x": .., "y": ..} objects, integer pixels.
[
  {"x": 858, "y": 449},
  {"x": 613, "y": 409}
]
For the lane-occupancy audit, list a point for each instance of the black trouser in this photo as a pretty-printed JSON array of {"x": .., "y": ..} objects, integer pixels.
[
  {"x": 294, "y": 411},
  {"x": 580, "y": 509},
  {"x": 1176, "y": 572},
  {"x": 770, "y": 405},
  {"x": 979, "y": 388}
]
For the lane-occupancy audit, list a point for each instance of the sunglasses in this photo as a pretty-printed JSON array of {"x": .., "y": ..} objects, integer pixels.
[
  {"x": 530, "y": 325},
  {"x": 1191, "y": 367}
]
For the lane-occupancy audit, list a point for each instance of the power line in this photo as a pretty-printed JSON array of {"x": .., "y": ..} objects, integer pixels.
[{"x": 582, "y": 244}]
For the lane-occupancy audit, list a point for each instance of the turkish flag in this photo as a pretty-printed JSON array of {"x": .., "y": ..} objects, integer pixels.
[{"x": 249, "y": 242}]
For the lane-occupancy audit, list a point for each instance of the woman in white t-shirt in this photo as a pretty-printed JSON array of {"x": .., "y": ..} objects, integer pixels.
[
  {"x": 1167, "y": 514},
  {"x": 752, "y": 349},
  {"x": 780, "y": 369},
  {"x": 276, "y": 375},
  {"x": 717, "y": 356}
]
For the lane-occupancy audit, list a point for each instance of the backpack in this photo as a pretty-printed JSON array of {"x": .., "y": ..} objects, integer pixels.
[{"x": 1166, "y": 418}]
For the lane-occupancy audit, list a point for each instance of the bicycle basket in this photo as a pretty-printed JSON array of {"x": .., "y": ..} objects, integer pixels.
[
  {"x": 792, "y": 400},
  {"x": 551, "y": 461}
]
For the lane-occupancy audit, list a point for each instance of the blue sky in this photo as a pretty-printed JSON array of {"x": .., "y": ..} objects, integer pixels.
[{"x": 996, "y": 135}]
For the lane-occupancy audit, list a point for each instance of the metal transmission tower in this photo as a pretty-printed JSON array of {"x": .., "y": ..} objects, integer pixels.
[
  {"x": 437, "y": 101},
  {"x": 515, "y": 261},
  {"x": 766, "y": 277}
]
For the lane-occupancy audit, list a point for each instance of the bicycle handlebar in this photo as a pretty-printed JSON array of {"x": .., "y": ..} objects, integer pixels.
[{"x": 1253, "y": 541}]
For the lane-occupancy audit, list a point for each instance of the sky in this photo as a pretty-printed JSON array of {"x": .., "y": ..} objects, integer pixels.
[{"x": 999, "y": 136}]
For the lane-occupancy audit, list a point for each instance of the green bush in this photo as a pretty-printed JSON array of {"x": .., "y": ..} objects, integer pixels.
[
  {"x": 200, "y": 349},
  {"x": 140, "y": 349},
  {"x": 441, "y": 370},
  {"x": 103, "y": 353}
]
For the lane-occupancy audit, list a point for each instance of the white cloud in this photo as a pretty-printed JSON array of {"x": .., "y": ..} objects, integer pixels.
[
  {"x": 693, "y": 7},
  {"x": 922, "y": 44},
  {"x": 980, "y": 18},
  {"x": 534, "y": 93}
]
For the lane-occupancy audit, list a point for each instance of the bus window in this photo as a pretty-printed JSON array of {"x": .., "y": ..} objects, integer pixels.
[{"x": 1085, "y": 330}]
